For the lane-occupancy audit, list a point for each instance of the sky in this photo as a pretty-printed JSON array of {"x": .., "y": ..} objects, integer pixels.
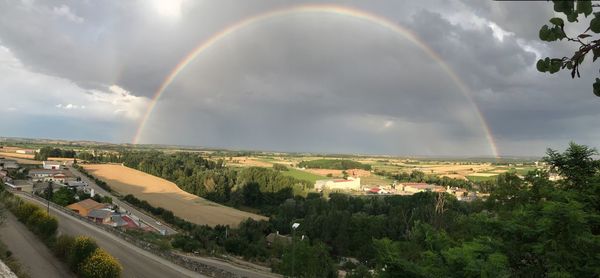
[{"x": 313, "y": 81}]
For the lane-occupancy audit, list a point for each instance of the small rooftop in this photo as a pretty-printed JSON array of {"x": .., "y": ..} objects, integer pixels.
[{"x": 100, "y": 213}]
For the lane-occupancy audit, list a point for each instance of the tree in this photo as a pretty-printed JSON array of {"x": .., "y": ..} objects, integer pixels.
[
  {"x": 307, "y": 260},
  {"x": 64, "y": 196},
  {"x": 101, "y": 265},
  {"x": 576, "y": 164},
  {"x": 587, "y": 41}
]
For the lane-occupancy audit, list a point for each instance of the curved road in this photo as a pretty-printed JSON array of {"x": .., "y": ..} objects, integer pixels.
[
  {"x": 136, "y": 261},
  {"x": 147, "y": 219}
]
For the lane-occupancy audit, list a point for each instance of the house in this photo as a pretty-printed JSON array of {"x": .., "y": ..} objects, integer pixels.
[
  {"x": 415, "y": 187},
  {"x": 77, "y": 184},
  {"x": 274, "y": 238},
  {"x": 49, "y": 175},
  {"x": 85, "y": 207},
  {"x": 102, "y": 216},
  {"x": 351, "y": 183},
  {"x": 459, "y": 193},
  {"x": 20, "y": 185},
  {"x": 8, "y": 164},
  {"x": 51, "y": 165},
  {"x": 377, "y": 190},
  {"x": 25, "y": 151}
]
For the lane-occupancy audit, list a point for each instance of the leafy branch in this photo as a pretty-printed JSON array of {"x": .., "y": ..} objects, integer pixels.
[{"x": 586, "y": 41}]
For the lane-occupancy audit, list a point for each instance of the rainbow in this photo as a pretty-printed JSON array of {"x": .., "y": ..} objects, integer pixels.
[{"x": 316, "y": 9}]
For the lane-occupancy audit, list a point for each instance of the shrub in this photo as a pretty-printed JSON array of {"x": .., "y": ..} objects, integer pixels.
[
  {"x": 24, "y": 210},
  {"x": 83, "y": 247},
  {"x": 63, "y": 245},
  {"x": 100, "y": 265},
  {"x": 42, "y": 224}
]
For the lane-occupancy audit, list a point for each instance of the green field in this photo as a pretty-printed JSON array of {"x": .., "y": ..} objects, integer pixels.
[
  {"x": 479, "y": 178},
  {"x": 302, "y": 175}
]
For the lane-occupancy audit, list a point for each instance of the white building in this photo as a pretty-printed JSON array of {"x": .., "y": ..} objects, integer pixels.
[
  {"x": 49, "y": 175},
  {"x": 338, "y": 184},
  {"x": 51, "y": 165}
]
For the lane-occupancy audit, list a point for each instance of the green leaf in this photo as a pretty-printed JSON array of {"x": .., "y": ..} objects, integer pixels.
[
  {"x": 597, "y": 87},
  {"x": 541, "y": 66},
  {"x": 555, "y": 65},
  {"x": 557, "y": 21},
  {"x": 572, "y": 16},
  {"x": 562, "y": 6},
  {"x": 596, "y": 52},
  {"x": 595, "y": 25},
  {"x": 584, "y": 7},
  {"x": 544, "y": 33},
  {"x": 569, "y": 64}
]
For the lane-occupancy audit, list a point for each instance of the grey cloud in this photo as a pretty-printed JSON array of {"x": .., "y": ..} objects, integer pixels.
[{"x": 322, "y": 83}]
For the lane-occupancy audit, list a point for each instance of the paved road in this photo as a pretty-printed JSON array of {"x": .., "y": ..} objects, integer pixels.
[
  {"x": 138, "y": 262},
  {"x": 143, "y": 216},
  {"x": 33, "y": 255}
]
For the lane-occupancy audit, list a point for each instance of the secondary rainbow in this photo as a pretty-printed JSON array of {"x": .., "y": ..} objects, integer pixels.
[{"x": 316, "y": 9}]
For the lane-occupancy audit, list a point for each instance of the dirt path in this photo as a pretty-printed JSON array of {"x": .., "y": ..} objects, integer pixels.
[{"x": 33, "y": 255}]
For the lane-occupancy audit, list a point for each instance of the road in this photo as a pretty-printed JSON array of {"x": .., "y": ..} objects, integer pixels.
[
  {"x": 143, "y": 216},
  {"x": 136, "y": 261},
  {"x": 34, "y": 256}
]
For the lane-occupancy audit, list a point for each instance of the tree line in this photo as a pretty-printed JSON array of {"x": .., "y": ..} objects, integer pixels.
[
  {"x": 337, "y": 164},
  {"x": 45, "y": 152},
  {"x": 530, "y": 227}
]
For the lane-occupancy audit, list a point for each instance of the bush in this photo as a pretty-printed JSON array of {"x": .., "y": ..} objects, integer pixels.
[
  {"x": 280, "y": 167},
  {"x": 83, "y": 247},
  {"x": 100, "y": 265},
  {"x": 42, "y": 224},
  {"x": 63, "y": 245}
]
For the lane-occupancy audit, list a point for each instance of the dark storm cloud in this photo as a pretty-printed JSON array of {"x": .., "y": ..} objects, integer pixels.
[{"x": 316, "y": 83}]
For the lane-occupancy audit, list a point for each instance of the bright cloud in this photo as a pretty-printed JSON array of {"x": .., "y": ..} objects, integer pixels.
[{"x": 65, "y": 11}]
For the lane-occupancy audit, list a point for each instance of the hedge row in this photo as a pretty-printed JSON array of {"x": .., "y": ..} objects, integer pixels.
[
  {"x": 85, "y": 258},
  {"x": 81, "y": 253}
]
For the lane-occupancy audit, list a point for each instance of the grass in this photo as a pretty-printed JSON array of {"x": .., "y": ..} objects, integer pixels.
[
  {"x": 479, "y": 178},
  {"x": 302, "y": 175},
  {"x": 375, "y": 180}
]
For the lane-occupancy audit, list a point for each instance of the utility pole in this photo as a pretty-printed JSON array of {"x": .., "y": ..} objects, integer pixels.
[
  {"x": 49, "y": 192},
  {"x": 294, "y": 227}
]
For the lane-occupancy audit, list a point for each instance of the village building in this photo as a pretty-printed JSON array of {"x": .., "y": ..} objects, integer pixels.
[
  {"x": 460, "y": 193},
  {"x": 276, "y": 238},
  {"x": 102, "y": 216},
  {"x": 51, "y": 165},
  {"x": 48, "y": 175},
  {"x": 351, "y": 183},
  {"x": 8, "y": 164},
  {"x": 20, "y": 185},
  {"x": 85, "y": 207},
  {"x": 416, "y": 187}
]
